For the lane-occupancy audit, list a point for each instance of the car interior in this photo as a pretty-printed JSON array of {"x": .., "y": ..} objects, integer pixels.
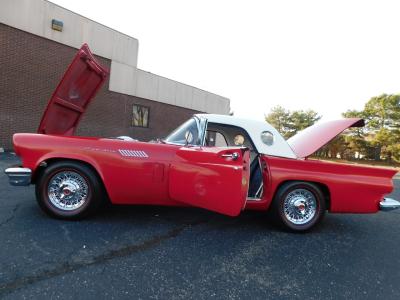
[{"x": 219, "y": 135}]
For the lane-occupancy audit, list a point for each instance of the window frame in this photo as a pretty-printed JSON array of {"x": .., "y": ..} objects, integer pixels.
[
  {"x": 217, "y": 132},
  {"x": 232, "y": 126},
  {"x": 201, "y": 125}
]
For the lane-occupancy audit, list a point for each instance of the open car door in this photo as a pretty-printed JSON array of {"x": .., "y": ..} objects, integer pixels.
[{"x": 213, "y": 178}]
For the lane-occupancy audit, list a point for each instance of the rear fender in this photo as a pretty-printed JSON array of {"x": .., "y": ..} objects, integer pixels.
[{"x": 352, "y": 189}]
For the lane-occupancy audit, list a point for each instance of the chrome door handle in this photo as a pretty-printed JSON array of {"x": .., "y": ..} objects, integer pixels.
[{"x": 233, "y": 155}]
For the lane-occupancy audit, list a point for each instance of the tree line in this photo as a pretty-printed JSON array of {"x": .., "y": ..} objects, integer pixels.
[{"x": 379, "y": 140}]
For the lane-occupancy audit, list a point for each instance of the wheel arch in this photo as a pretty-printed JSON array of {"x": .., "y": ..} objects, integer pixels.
[
  {"x": 324, "y": 189},
  {"x": 45, "y": 162}
]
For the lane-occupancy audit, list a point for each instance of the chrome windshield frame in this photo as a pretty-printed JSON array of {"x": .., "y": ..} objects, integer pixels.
[
  {"x": 202, "y": 127},
  {"x": 201, "y": 124}
]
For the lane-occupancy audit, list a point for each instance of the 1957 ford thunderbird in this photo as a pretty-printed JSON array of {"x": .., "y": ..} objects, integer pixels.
[{"x": 216, "y": 162}]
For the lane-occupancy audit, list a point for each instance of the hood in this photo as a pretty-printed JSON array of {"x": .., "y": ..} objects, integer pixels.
[
  {"x": 309, "y": 140},
  {"x": 73, "y": 94}
]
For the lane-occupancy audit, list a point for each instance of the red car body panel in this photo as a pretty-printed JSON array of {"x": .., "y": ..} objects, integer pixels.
[
  {"x": 351, "y": 188},
  {"x": 164, "y": 175},
  {"x": 314, "y": 137},
  {"x": 208, "y": 177},
  {"x": 203, "y": 177},
  {"x": 73, "y": 94},
  {"x": 200, "y": 176}
]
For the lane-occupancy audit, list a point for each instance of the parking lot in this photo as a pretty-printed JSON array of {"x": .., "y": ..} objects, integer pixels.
[{"x": 173, "y": 253}]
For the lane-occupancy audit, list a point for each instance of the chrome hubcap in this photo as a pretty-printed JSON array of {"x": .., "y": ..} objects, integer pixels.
[
  {"x": 300, "y": 206},
  {"x": 67, "y": 190}
]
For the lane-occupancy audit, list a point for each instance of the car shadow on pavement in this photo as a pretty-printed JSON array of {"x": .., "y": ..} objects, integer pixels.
[{"x": 255, "y": 221}]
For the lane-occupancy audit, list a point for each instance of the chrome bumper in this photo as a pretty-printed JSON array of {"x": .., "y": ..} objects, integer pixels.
[
  {"x": 389, "y": 204},
  {"x": 19, "y": 176}
]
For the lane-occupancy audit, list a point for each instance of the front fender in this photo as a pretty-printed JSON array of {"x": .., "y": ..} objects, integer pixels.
[{"x": 68, "y": 156}]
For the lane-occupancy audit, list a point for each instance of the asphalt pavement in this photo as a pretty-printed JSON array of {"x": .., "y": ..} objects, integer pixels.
[{"x": 144, "y": 252}]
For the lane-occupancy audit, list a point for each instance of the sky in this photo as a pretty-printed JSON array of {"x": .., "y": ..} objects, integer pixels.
[{"x": 329, "y": 56}]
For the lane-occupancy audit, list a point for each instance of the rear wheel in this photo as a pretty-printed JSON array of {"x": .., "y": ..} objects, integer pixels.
[
  {"x": 299, "y": 206},
  {"x": 69, "y": 190}
]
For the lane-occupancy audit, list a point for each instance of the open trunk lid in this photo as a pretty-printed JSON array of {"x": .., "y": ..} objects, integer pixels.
[
  {"x": 77, "y": 88},
  {"x": 309, "y": 140}
]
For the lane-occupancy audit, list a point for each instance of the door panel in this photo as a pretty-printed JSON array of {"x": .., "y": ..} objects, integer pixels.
[{"x": 211, "y": 178}]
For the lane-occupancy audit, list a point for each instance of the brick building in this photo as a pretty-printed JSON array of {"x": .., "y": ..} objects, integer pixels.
[{"x": 34, "y": 55}]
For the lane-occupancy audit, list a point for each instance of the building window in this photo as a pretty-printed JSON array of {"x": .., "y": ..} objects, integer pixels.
[{"x": 140, "y": 116}]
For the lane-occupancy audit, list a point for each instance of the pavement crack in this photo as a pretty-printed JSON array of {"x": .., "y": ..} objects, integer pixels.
[
  {"x": 68, "y": 267},
  {"x": 10, "y": 218}
]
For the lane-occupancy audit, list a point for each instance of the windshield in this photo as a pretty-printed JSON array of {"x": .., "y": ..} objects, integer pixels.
[{"x": 188, "y": 131}]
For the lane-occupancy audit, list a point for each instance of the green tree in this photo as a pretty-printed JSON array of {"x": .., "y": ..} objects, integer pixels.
[
  {"x": 355, "y": 137},
  {"x": 383, "y": 116},
  {"x": 288, "y": 123},
  {"x": 379, "y": 139},
  {"x": 381, "y": 136},
  {"x": 300, "y": 119},
  {"x": 279, "y": 118},
  {"x": 383, "y": 112}
]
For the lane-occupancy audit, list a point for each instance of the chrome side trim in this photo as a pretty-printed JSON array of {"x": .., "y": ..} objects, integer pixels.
[
  {"x": 133, "y": 153},
  {"x": 260, "y": 190},
  {"x": 253, "y": 199},
  {"x": 125, "y": 138},
  {"x": 389, "y": 204},
  {"x": 19, "y": 176}
]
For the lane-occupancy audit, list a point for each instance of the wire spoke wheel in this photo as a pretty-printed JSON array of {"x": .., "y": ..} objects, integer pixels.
[
  {"x": 67, "y": 190},
  {"x": 300, "y": 206}
]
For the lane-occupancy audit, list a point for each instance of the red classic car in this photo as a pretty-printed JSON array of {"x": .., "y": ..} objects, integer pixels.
[{"x": 220, "y": 163}]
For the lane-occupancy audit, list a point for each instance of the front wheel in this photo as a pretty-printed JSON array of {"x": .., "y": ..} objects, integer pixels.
[
  {"x": 69, "y": 190},
  {"x": 299, "y": 206}
]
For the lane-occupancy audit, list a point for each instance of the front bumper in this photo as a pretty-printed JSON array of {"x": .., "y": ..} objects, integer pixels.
[
  {"x": 389, "y": 204},
  {"x": 19, "y": 176}
]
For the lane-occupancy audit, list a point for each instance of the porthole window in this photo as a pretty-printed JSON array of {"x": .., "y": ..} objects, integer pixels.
[{"x": 267, "y": 138}]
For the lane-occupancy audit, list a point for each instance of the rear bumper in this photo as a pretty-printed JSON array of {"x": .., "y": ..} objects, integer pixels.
[
  {"x": 19, "y": 176},
  {"x": 389, "y": 204}
]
